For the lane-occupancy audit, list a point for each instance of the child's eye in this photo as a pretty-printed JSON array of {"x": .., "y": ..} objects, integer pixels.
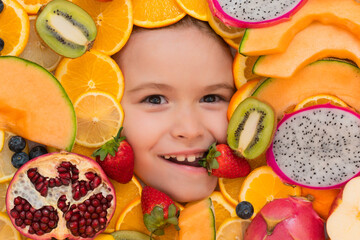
[
  {"x": 155, "y": 99},
  {"x": 211, "y": 98}
]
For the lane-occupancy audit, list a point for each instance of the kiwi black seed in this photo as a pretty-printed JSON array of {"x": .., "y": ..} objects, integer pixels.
[
  {"x": 66, "y": 28},
  {"x": 251, "y": 128}
]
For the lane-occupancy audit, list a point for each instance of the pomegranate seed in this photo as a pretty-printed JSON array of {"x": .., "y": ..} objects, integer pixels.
[
  {"x": 36, "y": 226},
  {"x": 27, "y": 221},
  {"x": 62, "y": 169},
  {"x": 43, "y": 226},
  {"x": 98, "y": 209},
  {"x": 17, "y": 201},
  {"x": 88, "y": 222},
  {"x": 40, "y": 179},
  {"x": 68, "y": 215},
  {"x": 104, "y": 206},
  {"x": 109, "y": 198},
  {"x": 32, "y": 210},
  {"x": 66, "y": 164},
  {"x": 95, "y": 202},
  {"x": 83, "y": 191},
  {"x": 19, "y": 208},
  {"x": 61, "y": 205},
  {"x": 65, "y": 181},
  {"x": 52, "y": 216},
  {"x": 18, "y": 222},
  {"x": 44, "y": 191},
  {"x": 102, "y": 220},
  {"x": 31, "y": 230},
  {"x": 75, "y": 217},
  {"x": 14, "y": 213},
  {"x": 52, "y": 224},
  {"x": 45, "y": 212},
  {"x": 82, "y": 229},
  {"x": 96, "y": 181},
  {"x": 99, "y": 196},
  {"x": 29, "y": 215},
  {"x": 76, "y": 195},
  {"x": 95, "y": 223},
  {"x": 103, "y": 214},
  {"x": 89, "y": 230},
  {"x": 91, "y": 209},
  {"x": 75, "y": 171},
  {"x": 27, "y": 207},
  {"x": 34, "y": 178},
  {"x": 87, "y": 215},
  {"x": 23, "y": 225},
  {"x": 65, "y": 175},
  {"x": 82, "y": 207},
  {"x": 58, "y": 182},
  {"x": 31, "y": 172},
  {"x": 75, "y": 178},
  {"x": 52, "y": 182},
  {"x": 82, "y": 222},
  {"x": 22, "y": 215},
  {"x": 94, "y": 216},
  {"x": 44, "y": 219},
  {"x": 39, "y": 186},
  {"x": 73, "y": 225},
  {"x": 90, "y": 175},
  {"x": 40, "y": 233},
  {"x": 87, "y": 202}
]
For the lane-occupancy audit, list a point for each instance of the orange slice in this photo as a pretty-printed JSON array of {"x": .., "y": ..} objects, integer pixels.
[
  {"x": 222, "y": 208},
  {"x": 7, "y": 230},
  {"x": 2, "y": 139},
  {"x": 125, "y": 193},
  {"x": 99, "y": 117},
  {"x": 32, "y": 6},
  {"x": 233, "y": 42},
  {"x": 14, "y": 28},
  {"x": 156, "y": 13},
  {"x": 263, "y": 185},
  {"x": 91, "y": 71},
  {"x": 3, "y": 189},
  {"x": 131, "y": 218},
  {"x": 320, "y": 99},
  {"x": 222, "y": 29},
  {"x": 114, "y": 22},
  {"x": 86, "y": 151},
  {"x": 243, "y": 92},
  {"x": 242, "y": 69},
  {"x": 230, "y": 189},
  {"x": 37, "y": 52},
  {"x": 232, "y": 228},
  {"x": 195, "y": 8}
]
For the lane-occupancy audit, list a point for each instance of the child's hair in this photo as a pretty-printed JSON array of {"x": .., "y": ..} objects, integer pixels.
[{"x": 188, "y": 21}]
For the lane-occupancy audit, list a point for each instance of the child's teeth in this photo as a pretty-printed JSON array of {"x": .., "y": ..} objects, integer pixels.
[
  {"x": 181, "y": 158},
  {"x": 166, "y": 156},
  {"x": 173, "y": 156},
  {"x": 191, "y": 158}
]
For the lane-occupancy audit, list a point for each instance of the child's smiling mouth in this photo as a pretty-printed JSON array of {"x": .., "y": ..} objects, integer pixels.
[{"x": 185, "y": 159}]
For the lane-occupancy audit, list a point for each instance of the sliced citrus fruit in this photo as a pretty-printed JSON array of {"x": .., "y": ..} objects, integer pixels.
[
  {"x": 114, "y": 22},
  {"x": 195, "y": 8},
  {"x": 86, "y": 73},
  {"x": 131, "y": 218},
  {"x": 156, "y": 13},
  {"x": 222, "y": 29},
  {"x": 86, "y": 151},
  {"x": 320, "y": 99},
  {"x": 14, "y": 28},
  {"x": 32, "y": 6},
  {"x": 99, "y": 117},
  {"x": 2, "y": 139},
  {"x": 7, "y": 170},
  {"x": 232, "y": 228},
  {"x": 3, "y": 189},
  {"x": 233, "y": 42},
  {"x": 103, "y": 236},
  {"x": 263, "y": 185},
  {"x": 7, "y": 230},
  {"x": 242, "y": 69},
  {"x": 125, "y": 193},
  {"x": 37, "y": 52},
  {"x": 243, "y": 92},
  {"x": 230, "y": 189},
  {"x": 223, "y": 209}
]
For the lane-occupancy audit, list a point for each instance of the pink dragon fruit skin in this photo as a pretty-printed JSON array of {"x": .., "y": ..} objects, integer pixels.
[
  {"x": 286, "y": 219},
  {"x": 218, "y": 12},
  {"x": 275, "y": 167}
]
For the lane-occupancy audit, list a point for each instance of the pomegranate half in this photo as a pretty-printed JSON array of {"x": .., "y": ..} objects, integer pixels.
[{"x": 60, "y": 196}]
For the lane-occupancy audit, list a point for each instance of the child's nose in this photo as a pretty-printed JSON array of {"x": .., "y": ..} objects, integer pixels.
[{"x": 187, "y": 125}]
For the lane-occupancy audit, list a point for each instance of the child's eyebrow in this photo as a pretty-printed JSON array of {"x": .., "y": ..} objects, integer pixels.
[
  {"x": 219, "y": 86},
  {"x": 151, "y": 85}
]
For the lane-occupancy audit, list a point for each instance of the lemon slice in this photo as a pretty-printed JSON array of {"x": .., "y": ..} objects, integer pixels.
[
  {"x": 320, "y": 99},
  {"x": 37, "y": 52},
  {"x": 7, "y": 230},
  {"x": 2, "y": 140},
  {"x": 232, "y": 228},
  {"x": 99, "y": 118},
  {"x": 223, "y": 209}
]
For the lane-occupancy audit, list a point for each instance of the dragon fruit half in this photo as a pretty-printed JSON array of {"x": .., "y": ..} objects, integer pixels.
[
  {"x": 254, "y": 14},
  {"x": 286, "y": 219},
  {"x": 317, "y": 147}
]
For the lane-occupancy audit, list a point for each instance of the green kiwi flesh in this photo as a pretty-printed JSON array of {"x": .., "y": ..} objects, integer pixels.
[
  {"x": 251, "y": 128},
  {"x": 66, "y": 28}
]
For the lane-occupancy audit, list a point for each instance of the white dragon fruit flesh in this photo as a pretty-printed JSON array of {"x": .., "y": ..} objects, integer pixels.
[
  {"x": 252, "y": 13},
  {"x": 286, "y": 219},
  {"x": 317, "y": 147}
]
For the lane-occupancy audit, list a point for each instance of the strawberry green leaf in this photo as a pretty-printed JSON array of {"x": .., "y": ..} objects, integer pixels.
[{"x": 110, "y": 147}]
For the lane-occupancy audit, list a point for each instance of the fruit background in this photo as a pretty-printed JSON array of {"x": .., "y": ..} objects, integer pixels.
[{"x": 278, "y": 55}]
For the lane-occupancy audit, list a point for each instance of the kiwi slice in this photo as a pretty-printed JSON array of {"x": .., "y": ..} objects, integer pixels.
[
  {"x": 66, "y": 28},
  {"x": 251, "y": 128}
]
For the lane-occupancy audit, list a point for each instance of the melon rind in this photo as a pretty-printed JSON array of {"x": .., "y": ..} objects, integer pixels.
[{"x": 34, "y": 105}]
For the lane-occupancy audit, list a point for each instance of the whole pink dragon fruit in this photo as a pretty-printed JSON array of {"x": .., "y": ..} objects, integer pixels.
[
  {"x": 317, "y": 147},
  {"x": 286, "y": 219},
  {"x": 254, "y": 14}
]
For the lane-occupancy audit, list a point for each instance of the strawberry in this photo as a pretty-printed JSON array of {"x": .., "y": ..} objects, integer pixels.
[
  {"x": 221, "y": 161},
  {"x": 116, "y": 158},
  {"x": 159, "y": 210}
]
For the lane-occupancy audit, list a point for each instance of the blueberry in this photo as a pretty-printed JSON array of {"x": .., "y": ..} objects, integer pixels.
[
  {"x": 2, "y": 44},
  {"x": 17, "y": 144},
  {"x": 37, "y": 151},
  {"x": 1, "y": 6},
  {"x": 19, "y": 159},
  {"x": 244, "y": 210}
]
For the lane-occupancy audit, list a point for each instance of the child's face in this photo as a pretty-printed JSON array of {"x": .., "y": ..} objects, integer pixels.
[{"x": 178, "y": 83}]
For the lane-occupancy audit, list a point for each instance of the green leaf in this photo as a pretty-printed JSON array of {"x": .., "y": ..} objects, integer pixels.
[
  {"x": 214, "y": 164},
  {"x": 159, "y": 232},
  {"x": 173, "y": 220},
  {"x": 171, "y": 210}
]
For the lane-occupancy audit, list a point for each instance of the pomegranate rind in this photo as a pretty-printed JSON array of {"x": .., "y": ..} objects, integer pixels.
[
  {"x": 55, "y": 158},
  {"x": 270, "y": 158},
  {"x": 218, "y": 12}
]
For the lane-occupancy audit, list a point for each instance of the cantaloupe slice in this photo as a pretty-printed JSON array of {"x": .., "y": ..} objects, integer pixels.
[
  {"x": 313, "y": 43},
  {"x": 275, "y": 39},
  {"x": 331, "y": 77},
  {"x": 197, "y": 221},
  {"x": 34, "y": 105}
]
